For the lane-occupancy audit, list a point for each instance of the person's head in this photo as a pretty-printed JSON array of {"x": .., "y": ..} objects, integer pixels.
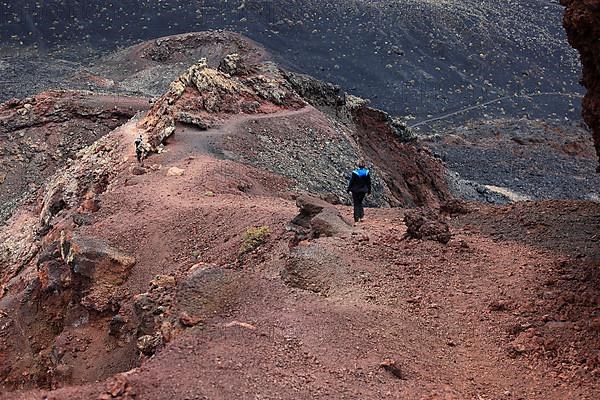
[{"x": 361, "y": 163}]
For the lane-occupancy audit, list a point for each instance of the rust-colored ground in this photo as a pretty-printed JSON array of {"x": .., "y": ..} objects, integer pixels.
[{"x": 509, "y": 309}]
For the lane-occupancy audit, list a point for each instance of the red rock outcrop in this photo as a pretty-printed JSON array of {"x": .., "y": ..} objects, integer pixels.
[
  {"x": 204, "y": 97},
  {"x": 413, "y": 175},
  {"x": 582, "y": 22}
]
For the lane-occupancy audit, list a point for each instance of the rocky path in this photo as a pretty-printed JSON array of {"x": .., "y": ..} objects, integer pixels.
[{"x": 195, "y": 141}]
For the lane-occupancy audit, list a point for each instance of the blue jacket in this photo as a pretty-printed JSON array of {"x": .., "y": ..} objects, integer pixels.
[{"x": 360, "y": 182}]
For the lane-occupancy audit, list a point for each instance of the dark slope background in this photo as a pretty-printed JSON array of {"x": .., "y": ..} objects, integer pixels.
[{"x": 422, "y": 59}]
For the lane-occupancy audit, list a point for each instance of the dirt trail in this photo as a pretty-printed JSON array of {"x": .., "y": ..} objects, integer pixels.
[
  {"x": 193, "y": 140},
  {"x": 445, "y": 315}
]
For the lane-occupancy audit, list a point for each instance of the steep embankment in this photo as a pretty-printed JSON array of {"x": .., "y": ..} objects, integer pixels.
[
  {"x": 534, "y": 159},
  {"x": 40, "y": 134},
  {"x": 582, "y": 22}
]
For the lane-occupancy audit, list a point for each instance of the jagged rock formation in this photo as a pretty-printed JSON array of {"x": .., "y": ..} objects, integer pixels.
[
  {"x": 582, "y": 22},
  {"x": 427, "y": 224},
  {"x": 151, "y": 66},
  {"x": 319, "y": 217},
  {"x": 206, "y": 97}
]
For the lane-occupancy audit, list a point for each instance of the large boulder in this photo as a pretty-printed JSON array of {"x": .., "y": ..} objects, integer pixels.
[
  {"x": 94, "y": 259},
  {"x": 426, "y": 224},
  {"x": 309, "y": 208},
  {"x": 320, "y": 217},
  {"x": 582, "y": 23}
]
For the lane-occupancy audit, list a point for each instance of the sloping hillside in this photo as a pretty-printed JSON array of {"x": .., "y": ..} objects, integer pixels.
[
  {"x": 193, "y": 276},
  {"x": 418, "y": 58}
]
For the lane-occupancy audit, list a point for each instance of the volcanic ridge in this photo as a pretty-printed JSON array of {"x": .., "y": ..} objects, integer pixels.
[{"x": 224, "y": 265}]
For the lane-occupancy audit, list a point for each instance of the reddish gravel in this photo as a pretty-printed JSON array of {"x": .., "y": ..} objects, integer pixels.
[{"x": 509, "y": 309}]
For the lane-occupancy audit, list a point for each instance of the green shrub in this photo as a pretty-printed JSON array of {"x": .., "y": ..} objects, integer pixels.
[{"x": 253, "y": 238}]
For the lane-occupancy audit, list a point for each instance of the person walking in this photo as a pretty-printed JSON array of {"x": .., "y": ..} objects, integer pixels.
[
  {"x": 139, "y": 148},
  {"x": 359, "y": 186}
]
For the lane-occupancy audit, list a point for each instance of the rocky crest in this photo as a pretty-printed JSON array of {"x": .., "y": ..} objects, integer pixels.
[
  {"x": 582, "y": 22},
  {"x": 205, "y": 98}
]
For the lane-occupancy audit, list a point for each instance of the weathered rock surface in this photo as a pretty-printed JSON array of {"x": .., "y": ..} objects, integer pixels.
[
  {"x": 205, "y": 96},
  {"x": 151, "y": 66},
  {"x": 74, "y": 283},
  {"x": 221, "y": 325},
  {"x": 317, "y": 269},
  {"x": 322, "y": 218},
  {"x": 426, "y": 224},
  {"x": 582, "y": 22}
]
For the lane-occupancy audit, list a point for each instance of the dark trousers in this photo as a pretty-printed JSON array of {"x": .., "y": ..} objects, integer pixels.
[{"x": 357, "y": 200}]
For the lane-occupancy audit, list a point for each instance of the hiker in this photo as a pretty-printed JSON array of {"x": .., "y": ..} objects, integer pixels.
[
  {"x": 139, "y": 148},
  {"x": 360, "y": 186}
]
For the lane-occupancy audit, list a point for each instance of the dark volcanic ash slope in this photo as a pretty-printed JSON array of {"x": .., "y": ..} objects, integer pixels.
[
  {"x": 411, "y": 57},
  {"x": 533, "y": 159},
  {"x": 582, "y": 22}
]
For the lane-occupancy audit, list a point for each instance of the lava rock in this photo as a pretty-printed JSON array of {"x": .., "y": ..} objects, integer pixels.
[
  {"x": 427, "y": 224},
  {"x": 322, "y": 218},
  {"x": 148, "y": 344}
]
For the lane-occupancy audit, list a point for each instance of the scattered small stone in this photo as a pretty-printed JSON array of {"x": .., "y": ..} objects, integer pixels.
[
  {"x": 116, "y": 323},
  {"x": 394, "y": 368},
  {"x": 189, "y": 320},
  {"x": 163, "y": 281},
  {"x": 498, "y": 305},
  {"x": 174, "y": 171},
  {"x": 90, "y": 205},
  {"x": 240, "y": 324},
  {"x": 137, "y": 170},
  {"x": 148, "y": 344},
  {"x": 118, "y": 387},
  {"x": 426, "y": 224}
]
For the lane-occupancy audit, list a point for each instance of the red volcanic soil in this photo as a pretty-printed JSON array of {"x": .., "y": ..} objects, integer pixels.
[
  {"x": 39, "y": 134},
  {"x": 508, "y": 309}
]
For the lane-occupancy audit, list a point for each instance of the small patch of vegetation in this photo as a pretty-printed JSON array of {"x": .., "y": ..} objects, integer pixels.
[{"x": 253, "y": 238}]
